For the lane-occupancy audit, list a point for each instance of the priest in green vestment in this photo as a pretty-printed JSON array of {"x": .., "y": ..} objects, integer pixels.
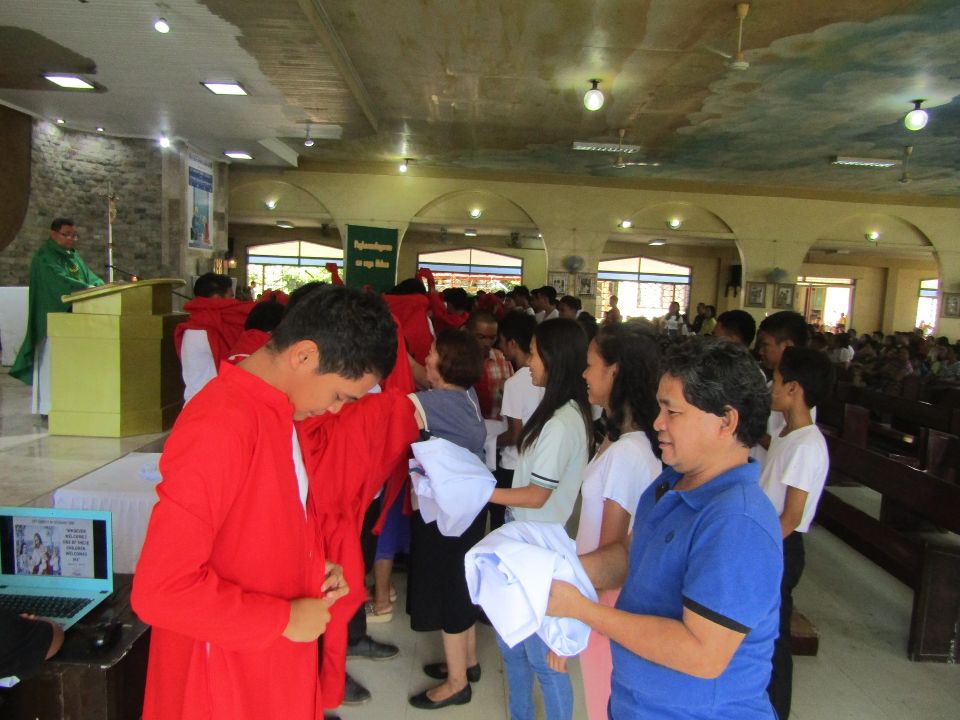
[{"x": 56, "y": 270}]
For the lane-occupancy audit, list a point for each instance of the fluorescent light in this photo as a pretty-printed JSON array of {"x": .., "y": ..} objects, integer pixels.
[
  {"x": 71, "y": 82},
  {"x": 164, "y": 141},
  {"x": 224, "y": 88},
  {"x": 606, "y": 147},
  {"x": 657, "y": 243},
  {"x": 285, "y": 224},
  {"x": 863, "y": 161},
  {"x": 161, "y": 26},
  {"x": 469, "y": 232},
  {"x": 238, "y": 155}
]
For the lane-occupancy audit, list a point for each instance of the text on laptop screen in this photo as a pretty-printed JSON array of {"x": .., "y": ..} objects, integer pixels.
[{"x": 60, "y": 547}]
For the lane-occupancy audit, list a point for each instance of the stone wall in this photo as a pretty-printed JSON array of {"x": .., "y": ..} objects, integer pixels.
[{"x": 70, "y": 171}]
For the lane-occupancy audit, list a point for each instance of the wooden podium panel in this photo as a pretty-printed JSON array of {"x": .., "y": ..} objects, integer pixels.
[{"x": 114, "y": 370}]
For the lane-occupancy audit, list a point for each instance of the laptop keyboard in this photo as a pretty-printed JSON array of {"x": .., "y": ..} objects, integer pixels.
[{"x": 43, "y": 606}]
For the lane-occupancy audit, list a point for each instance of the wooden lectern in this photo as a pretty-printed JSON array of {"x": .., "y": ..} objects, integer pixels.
[{"x": 114, "y": 371}]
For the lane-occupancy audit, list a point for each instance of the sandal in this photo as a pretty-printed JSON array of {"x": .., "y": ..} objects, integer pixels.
[{"x": 375, "y": 616}]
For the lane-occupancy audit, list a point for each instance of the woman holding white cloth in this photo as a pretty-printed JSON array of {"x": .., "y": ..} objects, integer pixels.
[
  {"x": 554, "y": 445},
  {"x": 623, "y": 368},
  {"x": 437, "y": 594}
]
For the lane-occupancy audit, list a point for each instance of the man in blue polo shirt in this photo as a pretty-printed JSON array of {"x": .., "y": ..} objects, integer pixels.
[{"x": 693, "y": 630}]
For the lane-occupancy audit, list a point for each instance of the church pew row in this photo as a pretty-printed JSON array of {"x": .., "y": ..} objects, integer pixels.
[{"x": 928, "y": 562}]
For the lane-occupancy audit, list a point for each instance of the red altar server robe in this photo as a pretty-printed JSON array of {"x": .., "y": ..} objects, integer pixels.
[
  {"x": 228, "y": 546},
  {"x": 222, "y": 318}
]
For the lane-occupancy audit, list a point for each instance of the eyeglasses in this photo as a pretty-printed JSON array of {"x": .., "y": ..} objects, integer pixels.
[{"x": 74, "y": 236}]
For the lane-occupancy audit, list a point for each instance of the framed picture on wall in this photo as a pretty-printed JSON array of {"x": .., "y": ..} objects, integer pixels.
[
  {"x": 756, "y": 295},
  {"x": 560, "y": 282},
  {"x": 586, "y": 284},
  {"x": 783, "y": 296},
  {"x": 951, "y": 305}
]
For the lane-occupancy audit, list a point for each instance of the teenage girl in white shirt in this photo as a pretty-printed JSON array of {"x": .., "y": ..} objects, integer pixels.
[{"x": 554, "y": 447}]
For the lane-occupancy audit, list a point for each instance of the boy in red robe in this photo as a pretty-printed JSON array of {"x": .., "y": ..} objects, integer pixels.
[{"x": 234, "y": 575}]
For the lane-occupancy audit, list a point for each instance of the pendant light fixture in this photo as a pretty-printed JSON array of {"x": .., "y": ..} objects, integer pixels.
[
  {"x": 593, "y": 98},
  {"x": 917, "y": 118}
]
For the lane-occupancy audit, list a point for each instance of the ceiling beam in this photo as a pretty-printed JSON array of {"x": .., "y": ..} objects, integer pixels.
[
  {"x": 281, "y": 150},
  {"x": 321, "y": 22}
]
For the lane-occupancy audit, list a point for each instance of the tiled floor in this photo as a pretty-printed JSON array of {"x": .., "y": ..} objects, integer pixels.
[{"x": 862, "y": 613}]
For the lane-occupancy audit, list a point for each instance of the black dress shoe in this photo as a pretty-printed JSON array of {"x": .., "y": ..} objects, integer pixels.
[
  {"x": 425, "y": 703},
  {"x": 439, "y": 671},
  {"x": 367, "y": 647},
  {"x": 354, "y": 693}
]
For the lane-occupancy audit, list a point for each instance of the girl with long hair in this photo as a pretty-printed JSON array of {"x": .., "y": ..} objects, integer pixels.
[{"x": 554, "y": 445}]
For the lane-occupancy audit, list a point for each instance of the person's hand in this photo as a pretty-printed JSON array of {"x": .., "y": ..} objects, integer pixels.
[
  {"x": 427, "y": 274},
  {"x": 564, "y": 599},
  {"x": 334, "y": 584},
  {"x": 308, "y": 619},
  {"x": 557, "y": 663}
]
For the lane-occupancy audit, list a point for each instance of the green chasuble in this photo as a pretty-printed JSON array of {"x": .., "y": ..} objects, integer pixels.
[{"x": 54, "y": 272}]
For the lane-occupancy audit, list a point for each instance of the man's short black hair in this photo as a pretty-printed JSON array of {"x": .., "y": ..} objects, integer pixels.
[
  {"x": 264, "y": 316},
  {"x": 740, "y": 323},
  {"x": 480, "y": 316},
  {"x": 810, "y": 368},
  {"x": 60, "y": 222},
  {"x": 302, "y": 292},
  {"x": 211, "y": 284},
  {"x": 786, "y": 325},
  {"x": 571, "y": 302},
  {"x": 410, "y": 286},
  {"x": 457, "y": 299},
  {"x": 549, "y": 292},
  {"x": 352, "y": 329},
  {"x": 519, "y": 327},
  {"x": 717, "y": 375}
]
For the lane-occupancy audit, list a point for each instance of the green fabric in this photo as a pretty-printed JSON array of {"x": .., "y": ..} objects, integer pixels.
[{"x": 54, "y": 272}]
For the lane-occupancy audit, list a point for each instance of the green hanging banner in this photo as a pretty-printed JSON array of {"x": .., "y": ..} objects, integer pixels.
[{"x": 371, "y": 257}]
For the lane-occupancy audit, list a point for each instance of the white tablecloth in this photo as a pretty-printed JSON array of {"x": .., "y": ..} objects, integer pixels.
[{"x": 119, "y": 488}]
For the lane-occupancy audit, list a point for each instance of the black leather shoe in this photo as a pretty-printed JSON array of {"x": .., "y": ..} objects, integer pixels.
[
  {"x": 367, "y": 647},
  {"x": 438, "y": 671},
  {"x": 425, "y": 703},
  {"x": 354, "y": 693}
]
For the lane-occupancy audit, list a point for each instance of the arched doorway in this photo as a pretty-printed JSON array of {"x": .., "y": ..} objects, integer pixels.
[
  {"x": 473, "y": 269},
  {"x": 643, "y": 286},
  {"x": 288, "y": 265}
]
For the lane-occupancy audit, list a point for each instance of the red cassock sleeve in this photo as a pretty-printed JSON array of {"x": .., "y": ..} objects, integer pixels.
[{"x": 348, "y": 456}]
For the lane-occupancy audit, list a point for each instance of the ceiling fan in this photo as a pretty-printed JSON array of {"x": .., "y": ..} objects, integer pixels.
[
  {"x": 620, "y": 149},
  {"x": 738, "y": 61}
]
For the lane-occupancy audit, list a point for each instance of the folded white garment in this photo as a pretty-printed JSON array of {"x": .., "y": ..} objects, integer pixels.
[
  {"x": 509, "y": 574},
  {"x": 454, "y": 486},
  {"x": 495, "y": 428}
]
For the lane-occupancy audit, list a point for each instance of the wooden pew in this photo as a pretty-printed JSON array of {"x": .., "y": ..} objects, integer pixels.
[{"x": 929, "y": 565}]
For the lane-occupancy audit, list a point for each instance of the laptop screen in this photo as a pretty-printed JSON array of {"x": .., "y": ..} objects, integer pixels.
[{"x": 69, "y": 547}]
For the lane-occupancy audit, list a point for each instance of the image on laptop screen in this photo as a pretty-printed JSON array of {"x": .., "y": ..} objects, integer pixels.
[{"x": 67, "y": 547}]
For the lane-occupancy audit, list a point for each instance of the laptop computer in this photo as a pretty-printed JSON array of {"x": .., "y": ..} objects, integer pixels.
[{"x": 55, "y": 563}]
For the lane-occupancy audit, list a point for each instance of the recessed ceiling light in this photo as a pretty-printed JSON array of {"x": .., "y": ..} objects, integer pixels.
[
  {"x": 476, "y": 213},
  {"x": 285, "y": 224},
  {"x": 61, "y": 121},
  {"x": 872, "y": 236},
  {"x": 626, "y": 224},
  {"x": 863, "y": 161},
  {"x": 161, "y": 26},
  {"x": 657, "y": 242},
  {"x": 404, "y": 165},
  {"x": 224, "y": 88},
  {"x": 71, "y": 82},
  {"x": 99, "y": 129},
  {"x": 271, "y": 204},
  {"x": 470, "y": 232},
  {"x": 238, "y": 155},
  {"x": 674, "y": 223},
  {"x": 164, "y": 141}
]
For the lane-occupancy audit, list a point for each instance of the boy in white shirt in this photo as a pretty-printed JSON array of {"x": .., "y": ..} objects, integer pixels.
[{"x": 794, "y": 473}]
